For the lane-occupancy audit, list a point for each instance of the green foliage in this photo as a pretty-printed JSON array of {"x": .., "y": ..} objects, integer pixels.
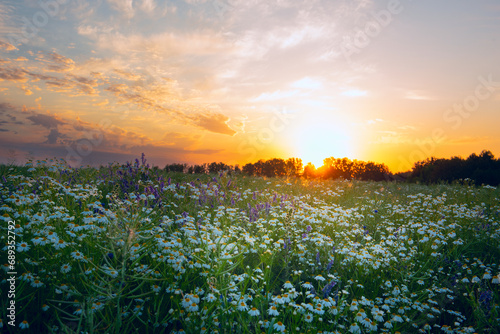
[{"x": 130, "y": 247}]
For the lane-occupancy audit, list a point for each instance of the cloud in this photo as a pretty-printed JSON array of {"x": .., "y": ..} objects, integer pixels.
[
  {"x": 178, "y": 139},
  {"x": 7, "y": 107},
  {"x": 417, "y": 95},
  {"x": 7, "y": 46},
  {"x": 354, "y": 93},
  {"x": 53, "y": 136},
  {"x": 123, "y": 6},
  {"x": 56, "y": 62},
  {"x": 47, "y": 121},
  {"x": 276, "y": 95},
  {"x": 13, "y": 74},
  {"x": 213, "y": 122},
  {"x": 307, "y": 83}
]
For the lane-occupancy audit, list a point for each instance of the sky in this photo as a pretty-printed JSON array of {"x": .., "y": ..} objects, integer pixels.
[{"x": 196, "y": 81}]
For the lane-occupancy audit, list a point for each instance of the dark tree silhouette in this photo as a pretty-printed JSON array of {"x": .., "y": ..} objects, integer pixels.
[{"x": 482, "y": 169}]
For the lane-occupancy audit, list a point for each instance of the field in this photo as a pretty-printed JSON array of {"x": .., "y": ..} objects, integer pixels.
[{"x": 120, "y": 249}]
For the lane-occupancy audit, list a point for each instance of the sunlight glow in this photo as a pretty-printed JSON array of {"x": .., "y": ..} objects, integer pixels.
[{"x": 313, "y": 142}]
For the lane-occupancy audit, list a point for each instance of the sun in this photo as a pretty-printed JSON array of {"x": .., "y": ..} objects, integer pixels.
[{"x": 313, "y": 142}]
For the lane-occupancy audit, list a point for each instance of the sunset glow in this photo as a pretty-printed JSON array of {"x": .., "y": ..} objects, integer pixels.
[{"x": 199, "y": 81}]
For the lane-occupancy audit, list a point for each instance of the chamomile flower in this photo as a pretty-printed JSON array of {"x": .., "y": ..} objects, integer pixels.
[
  {"x": 36, "y": 283},
  {"x": 24, "y": 324},
  {"x": 308, "y": 317},
  {"x": 254, "y": 312},
  {"x": 279, "y": 326},
  {"x": 77, "y": 255},
  {"x": 273, "y": 311},
  {"x": 65, "y": 268},
  {"x": 242, "y": 306},
  {"x": 307, "y": 285},
  {"x": 354, "y": 328},
  {"x": 22, "y": 247}
]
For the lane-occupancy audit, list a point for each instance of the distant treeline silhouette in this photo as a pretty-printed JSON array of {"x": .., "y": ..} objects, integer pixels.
[
  {"x": 479, "y": 169},
  {"x": 482, "y": 169},
  {"x": 332, "y": 169},
  {"x": 206, "y": 168}
]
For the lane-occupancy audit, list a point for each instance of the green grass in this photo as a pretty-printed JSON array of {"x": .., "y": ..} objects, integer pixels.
[{"x": 124, "y": 249}]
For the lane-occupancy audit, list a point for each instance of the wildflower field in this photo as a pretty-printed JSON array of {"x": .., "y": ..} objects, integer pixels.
[{"x": 120, "y": 249}]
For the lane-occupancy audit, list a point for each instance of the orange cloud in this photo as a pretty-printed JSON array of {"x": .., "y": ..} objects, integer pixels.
[{"x": 213, "y": 122}]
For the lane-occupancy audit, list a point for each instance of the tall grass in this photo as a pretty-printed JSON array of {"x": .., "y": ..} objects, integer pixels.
[{"x": 119, "y": 249}]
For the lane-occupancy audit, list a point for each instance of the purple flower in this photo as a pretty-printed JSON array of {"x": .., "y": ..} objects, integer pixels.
[
  {"x": 328, "y": 288},
  {"x": 329, "y": 266}
]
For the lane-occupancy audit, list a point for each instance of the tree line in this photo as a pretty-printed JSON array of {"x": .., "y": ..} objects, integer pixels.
[
  {"x": 481, "y": 169},
  {"x": 332, "y": 169},
  {"x": 335, "y": 168}
]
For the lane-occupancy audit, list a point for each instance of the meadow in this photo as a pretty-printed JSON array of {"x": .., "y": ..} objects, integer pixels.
[{"x": 126, "y": 248}]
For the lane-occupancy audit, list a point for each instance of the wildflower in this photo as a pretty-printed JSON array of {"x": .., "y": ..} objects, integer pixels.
[
  {"x": 475, "y": 279},
  {"x": 65, "y": 268},
  {"x": 155, "y": 288},
  {"x": 112, "y": 273},
  {"x": 22, "y": 247},
  {"x": 60, "y": 244},
  {"x": 36, "y": 284},
  {"x": 273, "y": 311},
  {"x": 210, "y": 297},
  {"x": 24, "y": 324},
  {"x": 308, "y": 317},
  {"x": 77, "y": 255},
  {"x": 495, "y": 280},
  {"x": 319, "y": 278},
  {"x": 307, "y": 285},
  {"x": 279, "y": 326},
  {"x": 354, "y": 305},
  {"x": 242, "y": 306},
  {"x": 354, "y": 328},
  {"x": 45, "y": 307},
  {"x": 78, "y": 312},
  {"x": 193, "y": 307},
  {"x": 288, "y": 285},
  {"x": 254, "y": 312}
]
